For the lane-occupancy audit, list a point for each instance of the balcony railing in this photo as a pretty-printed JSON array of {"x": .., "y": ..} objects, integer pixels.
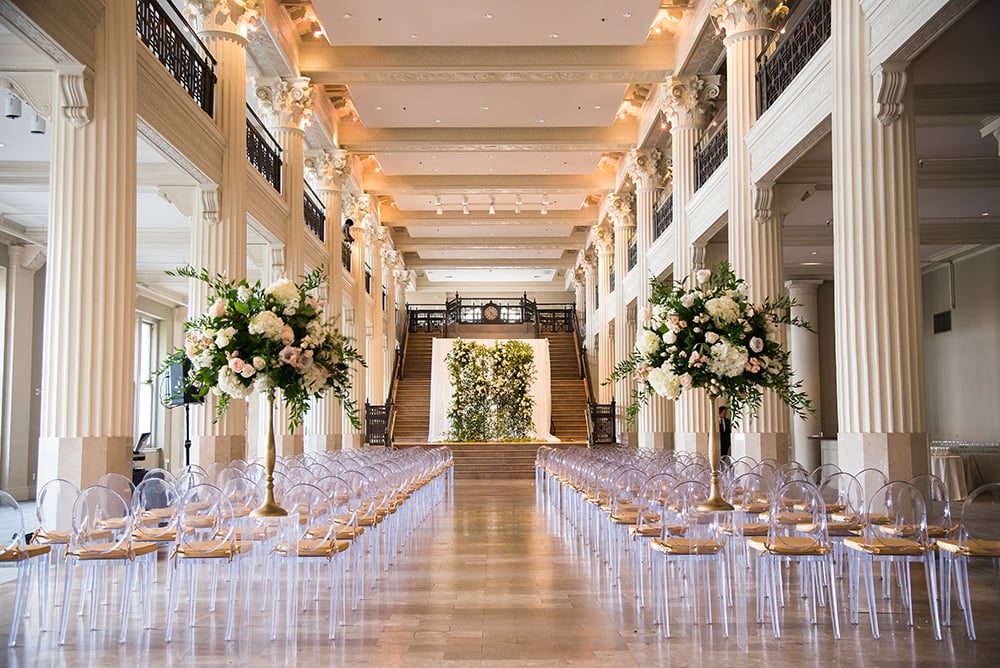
[
  {"x": 313, "y": 213},
  {"x": 632, "y": 253},
  {"x": 611, "y": 280},
  {"x": 169, "y": 37},
  {"x": 345, "y": 255},
  {"x": 710, "y": 152},
  {"x": 263, "y": 150},
  {"x": 663, "y": 216},
  {"x": 368, "y": 279},
  {"x": 789, "y": 49}
]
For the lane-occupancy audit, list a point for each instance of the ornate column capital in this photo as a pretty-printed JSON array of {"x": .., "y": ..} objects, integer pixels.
[
  {"x": 737, "y": 17},
  {"x": 285, "y": 102},
  {"x": 328, "y": 169},
  {"x": 642, "y": 168},
  {"x": 763, "y": 201},
  {"x": 357, "y": 207},
  {"x": 604, "y": 239},
  {"x": 232, "y": 18},
  {"x": 697, "y": 257},
  {"x": 689, "y": 101},
  {"x": 620, "y": 212}
]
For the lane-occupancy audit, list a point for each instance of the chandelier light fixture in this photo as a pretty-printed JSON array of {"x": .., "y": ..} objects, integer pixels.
[
  {"x": 465, "y": 205},
  {"x": 545, "y": 205},
  {"x": 493, "y": 209},
  {"x": 517, "y": 204}
]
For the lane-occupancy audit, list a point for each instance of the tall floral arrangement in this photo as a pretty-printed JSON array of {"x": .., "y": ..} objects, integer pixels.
[
  {"x": 272, "y": 338},
  {"x": 705, "y": 333}
]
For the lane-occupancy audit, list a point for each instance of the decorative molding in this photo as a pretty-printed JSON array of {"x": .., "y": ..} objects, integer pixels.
[
  {"x": 901, "y": 30},
  {"x": 763, "y": 201},
  {"x": 209, "y": 204},
  {"x": 229, "y": 18},
  {"x": 642, "y": 168},
  {"x": 76, "y": 88},
  {"x": 30, "y": 257},
  {"x": 357, "y": 207},
  {"x": 35, "y": 88},
  {"x": 328, "y": 169},
  {"x": 737, "y": 17},
  {"x": 697, "y": 256},
  {"x": 689, "y": 101},
  {"x": 393, "y": 76},
  {"x": 889, "y": 80},
  {"x": 285, "y": 103},
  {"x": 278, "y": 260},
  {"x": 620, "y": 212},
  {"x": 18, "y": 20},
  {"x": 156, "y": 140}
]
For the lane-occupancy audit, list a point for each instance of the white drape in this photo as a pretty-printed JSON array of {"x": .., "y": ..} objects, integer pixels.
[{"x": 441, "y": 389}]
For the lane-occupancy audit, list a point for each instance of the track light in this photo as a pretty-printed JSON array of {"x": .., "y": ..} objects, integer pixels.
[
  {"x": 517, "y": 204},
  {"x": 437, "y": 203},
  {"x": 13, "y": 107},
  {"x": 465, "y": 205},
  {"x": 493, "y": 209},
  {"x": 37, "y": 125},
  {"x": 545, "y": 205}
]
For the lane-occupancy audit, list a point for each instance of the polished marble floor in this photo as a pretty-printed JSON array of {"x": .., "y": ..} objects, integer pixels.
[{"x": 493, "y": 578}]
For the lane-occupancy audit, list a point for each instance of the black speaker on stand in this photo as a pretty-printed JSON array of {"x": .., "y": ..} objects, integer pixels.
[{"x": 178, "y": 394}]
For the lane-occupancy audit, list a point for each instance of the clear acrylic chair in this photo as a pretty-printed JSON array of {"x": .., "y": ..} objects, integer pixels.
[
  {"x": 797, "y": 534},
  {"x": 54, "y": 524},
  {"x": 30, "y": 560},
  {"x": 154, "y": 511},
  {"x": 206, "y": 536},
  {"x": 101, "y": 545},
  {"x": 895, "y": 535},
  {"x": 978, "y": 538}
]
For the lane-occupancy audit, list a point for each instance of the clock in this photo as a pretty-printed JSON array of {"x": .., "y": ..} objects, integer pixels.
[{"x": 490, "y": 312}]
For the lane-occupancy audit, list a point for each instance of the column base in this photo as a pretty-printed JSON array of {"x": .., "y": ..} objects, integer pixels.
[
  {"x": 289, "y": 445},
  {"x": 323, "y": 442},
  {"x": 692, "y": 442},
  {"x": 768, "y": 445},
  {"x": 655, "y": 440},
  {"x": 352, "y": 441},
  {"x": 206, "y": 450},
  {"x": 900, "y": 456},
  {"x": 83, "y": 461}
]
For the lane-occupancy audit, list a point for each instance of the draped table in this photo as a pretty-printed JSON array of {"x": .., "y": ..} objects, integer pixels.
[{"x": 441, "y": 389}]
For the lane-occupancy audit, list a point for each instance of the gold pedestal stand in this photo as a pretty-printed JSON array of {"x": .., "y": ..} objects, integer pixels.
[
  {"x": 714, "y": 502},
  {"x": 269, "y": 508}
]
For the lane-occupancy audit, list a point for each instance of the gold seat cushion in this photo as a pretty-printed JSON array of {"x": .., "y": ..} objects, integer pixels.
[
  {"x": 212, "y": 549},
  {"x": 51, "y": 537},
  {"x": 645, "y": 530},
  {"x": 315, "y": 548},
  {"x": 112, "y": 551},
  {"x": 788, "y": 546},
  {"x": 155, "y": 533},
  {"x": 973, "y": 547},
  {"x": 29, "y": 551},
  {"x": 687, "y": 546},
  {"x": 888, "y": 546}
]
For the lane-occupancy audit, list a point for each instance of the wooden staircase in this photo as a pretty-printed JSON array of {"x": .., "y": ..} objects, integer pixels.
[{"x": 491, "y": 460}]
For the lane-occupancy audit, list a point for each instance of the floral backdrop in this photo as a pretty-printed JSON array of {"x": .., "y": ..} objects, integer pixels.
[{"x": 491, "y": 391}]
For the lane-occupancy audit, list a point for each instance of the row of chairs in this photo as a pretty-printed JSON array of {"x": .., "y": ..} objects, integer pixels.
[
  {"x": 645, "y": 504},
  {"x": 112, "y": 533}
]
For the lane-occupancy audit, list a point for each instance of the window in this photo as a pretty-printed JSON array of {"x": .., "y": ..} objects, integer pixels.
[{"x": 145, "y": 362}]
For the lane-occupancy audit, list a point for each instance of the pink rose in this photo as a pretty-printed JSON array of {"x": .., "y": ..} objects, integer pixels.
[
  {"x": 756, "y": 344},
  {"x": 287, "y": 335},
  {"x": 236, "y": 364},
  {"x": 218, "y": 308}
]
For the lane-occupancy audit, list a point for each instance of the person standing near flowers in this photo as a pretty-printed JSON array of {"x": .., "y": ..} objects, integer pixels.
[{"x": 725, "y": 431}]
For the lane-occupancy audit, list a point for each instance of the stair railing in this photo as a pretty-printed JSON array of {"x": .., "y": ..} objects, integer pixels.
[{"x": 600, "y": 417}]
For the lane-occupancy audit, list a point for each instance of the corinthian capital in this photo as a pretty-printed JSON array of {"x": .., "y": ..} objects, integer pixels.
[
  {"x": 285, "y": 103},
  {"x": 689, "y": 101},
  {"x": 357, "y": 207},
  {"x": 619, "y": 211},
  {"x": 236, "y": 17},
  {"x": 328, "y": 169},
  {"x": 739, "y": 16},
  {"x": 642, "y": 168}
]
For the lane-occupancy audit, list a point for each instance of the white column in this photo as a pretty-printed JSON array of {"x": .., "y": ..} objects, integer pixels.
[
  {"x": 605, "y": 347},
  {"x": 219, "y": 240},
  {"x": 359, "y": 212},
  {"x": 286, "y": 106},
  {"x": 327, "y": 171},
  {"x": 755, "y": 246},
  {"x": 803, "y": 347},
  {"x": 589, "y": 290},
  {"x": 620, "y": 214},
  {"x": 688, "y": 103},
  {"x": 877, "y": 290},
  {"x": 657, "y": 412},
  {"x": 89, "y": 338},
  {"x": 17, "y": 470},
  {"x": 377, "y": 363}
]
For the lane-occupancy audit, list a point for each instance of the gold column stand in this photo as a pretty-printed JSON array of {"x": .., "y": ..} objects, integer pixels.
[
  {"x": 269, "y": 508},
  {"x": 714, "y": 502}
]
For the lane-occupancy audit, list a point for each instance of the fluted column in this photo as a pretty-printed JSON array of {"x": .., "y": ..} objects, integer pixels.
[
  {"x": 89, "y": 337},
  {"x": 359, "y": 211},
  {"x": 877, "y": 289},
  {"x": 285, "y": 106},
  {"x": 642, "y": 169},
  {"x": 755, "y": 247},
  {"x": 688, "y": 103},
  {"x": 327, "y": 171},
  {"x": 605, "y": 347},
  {"x": 620, "y": 214},
  {"x": 219, "y": 240},
  {"x": 590, "y": 290},
  {"x": 377, "y": 363},
  {"x": 803, "y": 346},
  {"x": 392, "y": 262}
]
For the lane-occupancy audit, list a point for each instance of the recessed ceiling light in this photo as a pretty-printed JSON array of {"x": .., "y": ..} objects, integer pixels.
[
  {"x": 627, "y": 15},
  {"x": 378, "y": 108},
  {"x": 2, "y": 145},
  {"x": 414, "y": 35},
  {"x": 814, "y": 253},
  {"x": 484, "y": 108},
  {"x": 810, "y": 264},
  {"x": 348, "y": 16},
  {"x": 597, "y": 106},
  {"x": 437, "y": 120},
  {"x": 540, "y": 120},
  {"x": 983, "y": 214},
  {"x": 554, "y": 35},
  {"x": 488, "y": 15}
]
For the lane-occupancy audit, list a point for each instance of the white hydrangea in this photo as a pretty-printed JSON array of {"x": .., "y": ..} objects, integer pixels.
[
  {"x": 727, "y": 360},
  {"x": 284, "y": 292},
  {"x": 647, "y": 343},
  {"x": 230, "y": 383},
  {"x": 268, "y": 324},
  {"x": 665, "y": 383},
  {"x": 723, "y": 310}
]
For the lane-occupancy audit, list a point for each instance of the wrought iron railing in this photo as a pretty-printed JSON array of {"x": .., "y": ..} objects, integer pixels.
[
  {"x": 663, "y": 216},
  {"x": 168, "y": 36},
  {"x": 601, "y": 428},
  {"x": 368, "y": 279},
  {"x": 345, "y": 254},
  {"x": 611, "y": 280},
  {"x": 632, "y": 253},
  {"x": 710, "y": 153},
  {"x": 263, "y": 150},
  {"x": 556, "y": 318},
  {"x": 313, "y": 212},
  {"x": 789, "y": 49},
  {"x": 425, "y": 318},
  {"x": 377, "y": 420}
]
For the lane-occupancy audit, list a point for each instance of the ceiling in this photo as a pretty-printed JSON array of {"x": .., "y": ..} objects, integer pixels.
[{"x": 521, "y": 104}]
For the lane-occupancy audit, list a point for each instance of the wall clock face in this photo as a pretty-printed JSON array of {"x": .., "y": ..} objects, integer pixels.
[{"x": 491, "y": 312}]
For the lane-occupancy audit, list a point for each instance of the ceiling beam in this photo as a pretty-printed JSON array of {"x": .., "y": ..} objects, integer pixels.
[
  {"x": 380, "y": 184},
  {"x": 585, "y": 217},
  {"x": 618, "y": 137}
]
